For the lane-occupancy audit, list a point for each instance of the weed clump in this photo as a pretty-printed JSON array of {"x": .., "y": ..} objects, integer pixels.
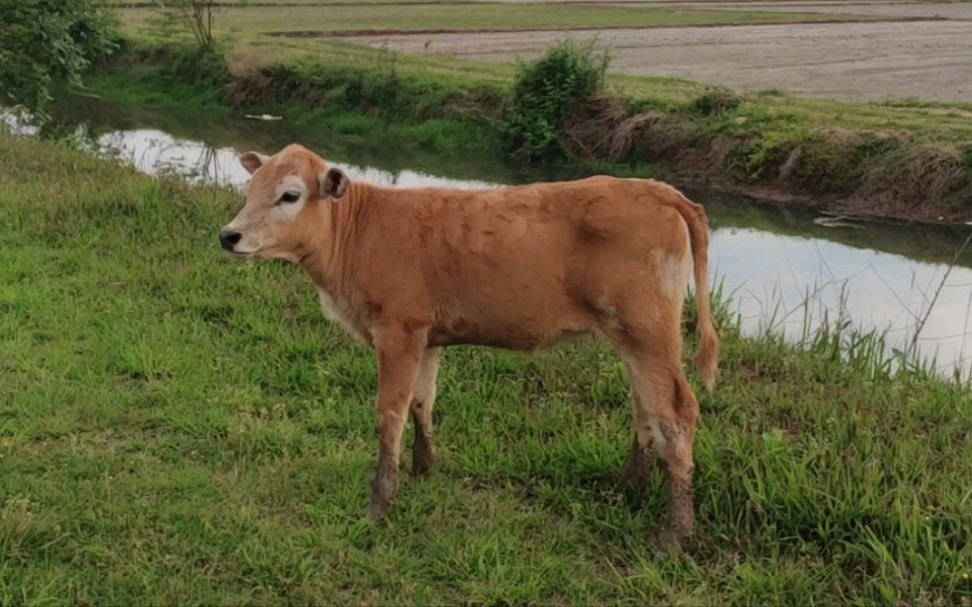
[
  {"x": 545, "y": 94},
  {"x": 923, "y": 175},
  {"x": 715, "y": 102}
]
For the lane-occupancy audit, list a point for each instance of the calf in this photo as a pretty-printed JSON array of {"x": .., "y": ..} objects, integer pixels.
[{"x": 410, "y": 271}]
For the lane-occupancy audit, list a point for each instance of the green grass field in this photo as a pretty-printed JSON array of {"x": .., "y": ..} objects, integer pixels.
[
  {"x": 178, "y": 428},
  {"x": 246, "y": 3},
  {"x": 256, "y": 20}
]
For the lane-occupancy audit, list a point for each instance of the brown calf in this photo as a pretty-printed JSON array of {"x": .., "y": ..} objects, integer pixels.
[{"x": 410, "y": 271}]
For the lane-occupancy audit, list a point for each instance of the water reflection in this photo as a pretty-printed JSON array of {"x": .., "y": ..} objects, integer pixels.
[
  {"x": 155, "y": 151},
  {"x": 771, "y": 276},
  {"x": 770, "y": 261}
]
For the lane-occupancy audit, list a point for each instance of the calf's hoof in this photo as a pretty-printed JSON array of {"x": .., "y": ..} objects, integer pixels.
[
  {"x": 377, "y": 510},
  {"x": 423, "y": 462},
  {"x": 667, "y": 543},
  {"x": 631, "y": 480},
  {"x": 384, "y": 488}
]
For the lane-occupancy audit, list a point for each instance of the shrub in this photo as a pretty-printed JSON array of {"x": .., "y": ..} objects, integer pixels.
[
  {"x": 715, "y": 101},
  {"x": 545, "y": 93},
  {"x": 75, "y": 33}
]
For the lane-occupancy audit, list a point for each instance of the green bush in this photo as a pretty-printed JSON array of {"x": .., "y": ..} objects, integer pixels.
[
  {"x": 43, "y": 42},
  {"x": 545, "y": 92},
  {"x": 715, "y": 101}
]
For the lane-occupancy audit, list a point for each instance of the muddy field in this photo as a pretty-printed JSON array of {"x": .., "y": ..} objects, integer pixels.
[{"x": 927, "y": 56}]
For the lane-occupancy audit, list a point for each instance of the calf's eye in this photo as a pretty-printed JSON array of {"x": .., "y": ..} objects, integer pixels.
[{"x": 290, "y": 197}]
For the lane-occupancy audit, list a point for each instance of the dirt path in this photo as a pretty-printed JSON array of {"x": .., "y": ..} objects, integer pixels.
[{"x": 931, "y": 60}]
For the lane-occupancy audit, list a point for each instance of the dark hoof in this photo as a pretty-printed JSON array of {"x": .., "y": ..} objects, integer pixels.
[
  {"x": 377, "y": 511},
  {"x": 667, "y": 543},
  {"x": 422, "y": 464},
  {"x": 635, "y": 483}
]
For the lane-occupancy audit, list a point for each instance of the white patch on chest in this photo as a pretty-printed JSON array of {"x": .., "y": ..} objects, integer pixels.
[{"x": 340, "y": 314}]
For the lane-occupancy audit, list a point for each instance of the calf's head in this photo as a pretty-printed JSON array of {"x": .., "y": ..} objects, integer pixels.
[{"x": 281, "y": 217}]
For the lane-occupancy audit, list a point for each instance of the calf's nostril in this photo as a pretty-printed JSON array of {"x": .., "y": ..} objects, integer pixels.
[{"x": 229, "y": 238}]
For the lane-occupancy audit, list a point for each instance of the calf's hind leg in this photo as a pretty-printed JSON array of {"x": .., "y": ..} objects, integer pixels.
[
  {"x": 665, "y": 416},
  {"x": 635, "y": 472}
]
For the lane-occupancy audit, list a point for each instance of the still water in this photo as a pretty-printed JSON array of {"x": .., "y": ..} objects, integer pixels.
[{"x": 784, "y": 270}]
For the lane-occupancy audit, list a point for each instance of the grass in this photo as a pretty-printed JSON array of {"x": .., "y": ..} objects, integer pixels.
[
  {"x": 245, "y": 3},
  {"x": 256, "y": 20},
  {"x": 178, "y": 428}
]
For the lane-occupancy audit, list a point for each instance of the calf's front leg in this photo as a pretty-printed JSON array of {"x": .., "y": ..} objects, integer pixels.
[{"x": 399, "y": 358}]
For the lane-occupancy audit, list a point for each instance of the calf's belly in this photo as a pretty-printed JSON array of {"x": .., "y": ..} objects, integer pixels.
[{"x": 523, "y": 329}]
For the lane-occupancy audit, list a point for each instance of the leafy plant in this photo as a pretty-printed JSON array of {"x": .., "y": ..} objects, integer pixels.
[
  {"x": 46, "y": 41},
  {"x": 545, "y": 92},
  {"x": 715, "y": 101}
]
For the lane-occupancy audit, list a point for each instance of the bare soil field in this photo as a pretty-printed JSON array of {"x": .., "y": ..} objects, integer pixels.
[
  {"x": 949, "y": 9},
  {"x": 916, "y": 10},
  {"x": 872, "y": 61}
]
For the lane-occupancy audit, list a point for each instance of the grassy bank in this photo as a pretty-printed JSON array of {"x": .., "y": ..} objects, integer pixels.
[
  {"x": 908, "y": 161},
  {"x": 178, "y": 428}
]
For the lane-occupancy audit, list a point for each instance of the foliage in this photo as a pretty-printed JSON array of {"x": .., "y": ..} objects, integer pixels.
[
  {"x": 545, "y": 92},
  {"x": 43, "y": 42},
  {"x": 715, "y": 102}
]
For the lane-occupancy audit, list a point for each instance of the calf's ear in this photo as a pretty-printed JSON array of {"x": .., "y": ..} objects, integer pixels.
[
  {"x": 333, "y": 183},
  {"x": 252, "y": 161}
]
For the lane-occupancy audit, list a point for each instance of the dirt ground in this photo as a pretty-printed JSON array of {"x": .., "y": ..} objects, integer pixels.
[
  {"x": 917, "y": 10},
  {"x": 876, "y": 61},
  {"x": 947, "y": 9}
]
